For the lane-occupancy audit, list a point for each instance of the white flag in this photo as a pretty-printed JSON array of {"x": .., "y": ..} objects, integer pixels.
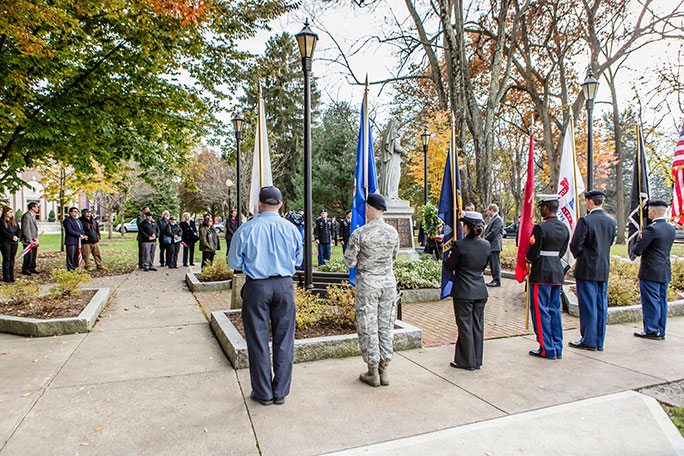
[
  {"x": 570, "y": 186},
  {"x": 261, "y": 167}
]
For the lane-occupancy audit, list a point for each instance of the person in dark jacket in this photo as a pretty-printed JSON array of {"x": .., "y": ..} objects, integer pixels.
[
  {"x": 231, "y": 227},
  {"x": 590, "y": 246},
  {"x": 494, "y": 234},
  {"x": 74, "y": 235},
  {"x": 29, "y": 237},
  {"x": 189, "y": 238},
  {"x": 548, "y": 243},
  {"x": 148, "y": 235},
  {"x": 161, "y": 227},
  {"x": 91, "y": 243},
  {"x": 173, "y": 236},
  {"x": 655, "y": 271},
  {"x": 209, "y": 240},
  {"x": 9, "y": 240},
  {"x": 139, "y": 220},
  {"x": 467, "y": 260},
  {"x": 323, "y": 232},
  {"x": 345, "y": 229}
]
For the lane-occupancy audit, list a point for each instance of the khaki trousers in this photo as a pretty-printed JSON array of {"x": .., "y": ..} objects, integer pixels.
[{"x": 93, "y": 249}]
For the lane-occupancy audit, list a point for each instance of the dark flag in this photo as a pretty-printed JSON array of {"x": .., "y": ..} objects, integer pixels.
[
  {"x": 450, "y": 210},
  {"x": 640, "y": 195}
]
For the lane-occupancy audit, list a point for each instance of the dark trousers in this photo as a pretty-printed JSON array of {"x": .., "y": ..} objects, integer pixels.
[
  {"x": 162, "y": 253},
  {"x": 29, "y": 264},
  {"x": 207, "y": 257},
  {"x": 140, "y": 255},
  {"x": 71, "y": 257},
  {"x": 592, "y": 298},
  {"x": 323, "y": 253},
  {"x": 470, "y": 321},
  {"x": 495, "y": 266},
  {"x": 172, "y": 254},
  {"x": 269, "y": 302},
  {"x": 545, "y": 310},
  {"x": 9, "y": 252},
  {"x": 654, "y": 306},
  {"x": 189, "y": 251}
]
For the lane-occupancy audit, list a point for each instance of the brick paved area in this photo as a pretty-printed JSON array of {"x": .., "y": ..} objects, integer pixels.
[{"x": 504, "y": 316}]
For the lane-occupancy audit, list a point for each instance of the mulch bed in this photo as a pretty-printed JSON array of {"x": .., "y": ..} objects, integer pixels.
[
  {"x": 320, "y": 329},
  {"x": 47, "y": 307},
  {"x": 201, "y": 278}
]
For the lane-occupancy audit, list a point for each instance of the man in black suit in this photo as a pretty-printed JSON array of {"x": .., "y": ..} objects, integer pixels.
[
  {"x": 139, "y": 220},
  {"x": 655, "y": 271},
  {"x": 494, "y": 234},
  {"x": 147, "y": 233},
  {"x": 590, "y": 246},
  {"x": 548, "y": 243}
]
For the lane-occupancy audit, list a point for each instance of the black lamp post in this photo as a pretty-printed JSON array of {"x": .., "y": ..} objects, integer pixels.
[
  {"x": 589, "y": 88},
  {"x": 238, "y": 123},
  {"x": 307, "y": 44},
  {"x": 425, "y": 137},
  {"x": 229, "y": 184}
]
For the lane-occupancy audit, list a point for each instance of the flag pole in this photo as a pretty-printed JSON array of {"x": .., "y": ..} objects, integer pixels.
[
  {"x": 527, "y": 278},
  {"x": 259, "y": 134},
  {"x": 641, "y": 206},
  {"x": 574, "y": 170},
  {"x": 366, "y": 157},
  {"x": 453, "y": 175}
]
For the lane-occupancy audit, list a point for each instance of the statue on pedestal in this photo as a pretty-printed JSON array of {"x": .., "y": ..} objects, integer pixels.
[{"x": 391, "y": 158}]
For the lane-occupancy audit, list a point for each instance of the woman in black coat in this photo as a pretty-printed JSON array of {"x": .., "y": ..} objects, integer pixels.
[
  {"x": 189, "y": 237},
  {"x": 173, "y": 234},
  {"x": 9, "y": 238},
  {"x": 467, "y": 261}
]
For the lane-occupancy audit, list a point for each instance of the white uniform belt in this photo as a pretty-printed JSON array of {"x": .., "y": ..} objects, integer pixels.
[{"x": 549, "y": 253}]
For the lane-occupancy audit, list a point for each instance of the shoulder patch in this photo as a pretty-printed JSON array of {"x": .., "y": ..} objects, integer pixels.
[{"x": 533, "y": 240}]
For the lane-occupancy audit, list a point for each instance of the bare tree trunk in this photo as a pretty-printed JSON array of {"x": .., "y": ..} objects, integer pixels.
[
  {"x": 619, "y": 183},
  {"x": 110, "y": 215},
  {"x": 62, "y": 179}
]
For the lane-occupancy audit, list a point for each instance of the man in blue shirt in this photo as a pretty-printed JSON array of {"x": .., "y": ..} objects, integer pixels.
[{"x": 267, "y": 249}]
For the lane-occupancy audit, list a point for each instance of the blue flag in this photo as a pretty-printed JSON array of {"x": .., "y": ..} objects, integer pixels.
[
  {"x": 450, "y": 211},
  {"x": 365, "y": 172}
]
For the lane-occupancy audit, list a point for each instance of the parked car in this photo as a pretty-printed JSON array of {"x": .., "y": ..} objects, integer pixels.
[
  {"x": 511, "y": 231},
  {"x": 218, "y": 225},
  {"x": 679, "y": 234},
  {"x": 131, "y": 226}
]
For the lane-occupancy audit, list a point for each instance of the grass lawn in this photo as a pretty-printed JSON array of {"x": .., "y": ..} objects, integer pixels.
[{"x": 676, "y": 414}]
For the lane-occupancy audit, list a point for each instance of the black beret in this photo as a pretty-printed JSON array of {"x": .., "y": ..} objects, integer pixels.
[
  {"x": 348, "y": 211},
  {"x": 593, "y": 193},
  {"x": 377, "y": 201},
  {"x": 270, "y": 195},
  {"x": 657, "y": 203}
]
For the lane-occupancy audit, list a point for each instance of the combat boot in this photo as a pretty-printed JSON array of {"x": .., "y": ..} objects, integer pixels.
[
  {"x": 371, "y": 377},
  {"x": 383, "y": 368}
]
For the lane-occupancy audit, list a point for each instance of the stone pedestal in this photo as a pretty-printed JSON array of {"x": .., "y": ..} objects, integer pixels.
[
  {"x": 239, "y": 280},
  {"x": 399, "y": 214}
]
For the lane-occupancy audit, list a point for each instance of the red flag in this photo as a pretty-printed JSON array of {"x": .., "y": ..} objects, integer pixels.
[
  {"x": 678, "y": 175},
  {"x": 526, "y": 218}
]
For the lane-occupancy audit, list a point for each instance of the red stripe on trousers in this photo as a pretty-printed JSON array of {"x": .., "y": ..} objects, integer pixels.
[{"x": 540, "y": 333}]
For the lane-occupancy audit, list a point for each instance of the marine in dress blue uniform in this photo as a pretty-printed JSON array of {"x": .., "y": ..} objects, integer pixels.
[
  {"x": 590, "y": 246},
  {"x": 267, "y": 248},
  {"x": 655, "y": 270},
  {"x": 548, "y": 243}
]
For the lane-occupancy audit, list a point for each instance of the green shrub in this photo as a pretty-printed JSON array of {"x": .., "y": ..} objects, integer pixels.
[
  {"x": 216, "y": 271},
  {"x": 67, "y": 282},
  {"x": 20, "y": 291},
  {"x": 333, "y": 266},
  {"x": 51, "y": 215},
  {"x": 623, "y": 283},
  {"x": 18, "y": 214},
  {"x": 677, "y": 283},
  {"x": 424, "y": 272},
  {"x": 508, "y": 256},
  {"x": 310, "y": 309},
  {"x": 341, "y": 300}
]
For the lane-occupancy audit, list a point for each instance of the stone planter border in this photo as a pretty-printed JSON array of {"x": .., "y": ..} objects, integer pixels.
[
  {"x": 419, "y": 295},
  {"x": 235, "y": 347},
  {"x": 624, "y": 314},
  {"x": 39, "y": 328},
  {"x": 195, "y": 285}
]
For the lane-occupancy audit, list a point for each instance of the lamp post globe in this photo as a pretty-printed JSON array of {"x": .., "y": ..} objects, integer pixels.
[
  {"x": 307, "y": 39},
  {"x": 238, "y": 123},
  {"x": 589, "y": 89}
]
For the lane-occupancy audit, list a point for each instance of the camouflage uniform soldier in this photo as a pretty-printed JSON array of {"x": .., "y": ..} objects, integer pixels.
[{"x": 372, "y": 249}]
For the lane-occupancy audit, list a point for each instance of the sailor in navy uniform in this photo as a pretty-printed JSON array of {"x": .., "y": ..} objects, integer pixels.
[
  {"x": 655, "y": 271},
  {"x": 590, "y": 246},
  {"x": 548, "y": 243}
]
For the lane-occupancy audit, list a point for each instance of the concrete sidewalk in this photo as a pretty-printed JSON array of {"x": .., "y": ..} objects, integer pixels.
[{"x": 151, "y": 379}]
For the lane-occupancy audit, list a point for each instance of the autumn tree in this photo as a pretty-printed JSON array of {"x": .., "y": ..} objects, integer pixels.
[{"x": 204, "y": 187}]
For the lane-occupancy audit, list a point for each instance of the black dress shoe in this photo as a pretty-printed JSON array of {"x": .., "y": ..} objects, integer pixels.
[
  {"x": 452, "y": 364},
  {"x": 153, "y": 269},
  {"x": 652, "y": 336},
  {"x": 580, "y": 344},
  {"x": 260, "y": 401},
  {"x": 146, "y": 269},
  {"x": 494, "y": 284},
  {"x": 35, "y": 272},
  {"x": 539, "y": 355},
  {"x": 599, "y": 349},
  {"x": 28, "y": 273},
  {"x": 279, "y": 400}
]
